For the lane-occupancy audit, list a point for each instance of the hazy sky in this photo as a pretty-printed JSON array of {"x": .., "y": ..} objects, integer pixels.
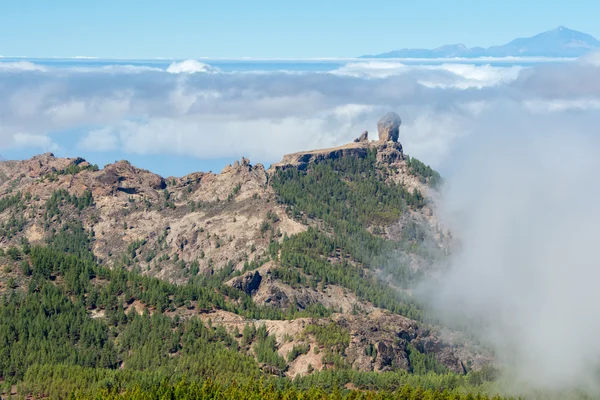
[{"x": 273, "y": 28}]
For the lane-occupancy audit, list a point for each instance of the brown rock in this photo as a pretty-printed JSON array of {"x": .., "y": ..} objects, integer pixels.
[
  {"x": 364, "y": 137},
  {"x": 124, "y": 177},
  {"x": 301, "y": 160},
  {"x": 388, "y": 127},
  {"x": 391, "y": 356}
]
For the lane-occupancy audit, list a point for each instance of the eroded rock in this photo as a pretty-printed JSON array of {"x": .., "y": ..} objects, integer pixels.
[
  {"x": 388, "y": 127},
  {"x": 364, "y": 137}
]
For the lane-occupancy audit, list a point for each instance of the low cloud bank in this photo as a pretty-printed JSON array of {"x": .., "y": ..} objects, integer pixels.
[
  {"x": 191, "y": 108},
  {"x": 191, "y": 67},
  {"x": 522, "y": 197}
]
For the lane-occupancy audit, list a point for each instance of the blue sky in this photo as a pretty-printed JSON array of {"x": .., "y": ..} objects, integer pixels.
[{"x": 273, "y": 28}]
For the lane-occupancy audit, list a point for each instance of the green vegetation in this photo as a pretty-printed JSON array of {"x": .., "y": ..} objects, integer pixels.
[
  {"x": 44, "y": 326},
  {"x": 421, "y": 363},
  {"x": 304, "y": 262},
  {"x": 62, "y": 197},
  {"x": 266, "y": 351},
  {"x": 334, "y": 340},
  {"x": 424, "y": 172},
  {"x": 85, "y": 383},
  {"x": 346, "y": 193},
  {"x": 15, "y": 200},
  {"x": 16, "y": 222},
  {"x": 350, "y": 195},
  {"x": 49, "y": 324},
  {"x": 297, "y": 351},
  {"x": 73, "y": 169}
]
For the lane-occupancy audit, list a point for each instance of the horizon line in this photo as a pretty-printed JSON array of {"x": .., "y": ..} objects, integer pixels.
[{"x": 331, "y": 59}]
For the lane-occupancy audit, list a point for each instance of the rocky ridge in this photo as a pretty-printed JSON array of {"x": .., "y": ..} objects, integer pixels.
[
  {"x": 388, "y": 149},
  {"x": 163, "y": 226}
]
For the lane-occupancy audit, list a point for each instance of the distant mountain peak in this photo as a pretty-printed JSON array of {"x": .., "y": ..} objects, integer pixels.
[{"x": 558, "y": 42}]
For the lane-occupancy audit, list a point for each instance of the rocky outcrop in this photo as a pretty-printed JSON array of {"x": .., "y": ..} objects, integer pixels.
[
  {"x": 364, "y": 137},
  {"x": 122, "y": 176},
  {"x": 248, "y": 283},
  {"x": 387, "y": 152},
  {"x": 380, "y": 342},
  {"x": 39, "y": 166},
  {"x": 239, "y": 181},
  {"x": 388, "y": 127},
  {"x": 390, "y": 152},
  {"x": 303, "y": 159}
]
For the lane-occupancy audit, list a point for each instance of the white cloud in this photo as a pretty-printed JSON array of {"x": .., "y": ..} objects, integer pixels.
[
  {"x": 264, "y": 115},
  {"x": 372, "y": 69},
  {"x": 99, "y": 140},
  {"x": 550, "y": 106},
  {"x": 20, "y": 66},
  {"x": 225, "y": 136},
  {"x": 67, "y": 112},
  {"x": 461, "y": 75},
  {"x": 522, "y": 199},
  {"x": 591, "y": 58},
  {"x": 41, "y": 142},
  {"x": 475, "y": 76},
  {"x": 190, "y": 67}
]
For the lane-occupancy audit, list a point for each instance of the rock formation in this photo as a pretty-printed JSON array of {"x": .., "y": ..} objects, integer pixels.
[
  {"x": 248, "y": 282},
  {"x": 388, "y": 148},
  {"x": 364, "y": 137},
  {"x": 388, "y": 127},
  {"x": 301, "y": 160}
]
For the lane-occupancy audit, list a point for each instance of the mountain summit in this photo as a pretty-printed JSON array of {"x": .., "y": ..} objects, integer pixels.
[{"x": 558, "y": 42}]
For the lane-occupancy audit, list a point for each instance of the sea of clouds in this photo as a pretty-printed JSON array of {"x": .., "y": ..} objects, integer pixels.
[{"x": 194, "y": 109}]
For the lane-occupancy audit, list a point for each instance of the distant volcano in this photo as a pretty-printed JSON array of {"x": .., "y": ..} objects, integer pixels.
[{"x": 558, "y": 42}]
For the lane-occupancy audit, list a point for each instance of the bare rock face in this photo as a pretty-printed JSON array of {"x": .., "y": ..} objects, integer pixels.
[
  {"x": 391, "y": 356},
  {"x": 249, "y": 283},
  {"x": 388, "y": 127},
  {"x": 390, "y": 152},
  {"x": 122, "y": 176},
  {"x": 364, "y": 137},
  {"x": 303, "y": 159}
]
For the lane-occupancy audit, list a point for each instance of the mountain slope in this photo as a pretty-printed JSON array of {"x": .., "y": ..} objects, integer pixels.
[
  {"x": 558, "y": 42},
  {"x": 282, "y": 272}
]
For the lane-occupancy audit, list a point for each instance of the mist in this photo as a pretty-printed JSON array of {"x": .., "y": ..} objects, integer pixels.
[{"x": 521, "y": 197}]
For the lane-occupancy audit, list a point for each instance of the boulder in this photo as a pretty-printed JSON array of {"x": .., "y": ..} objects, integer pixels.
[
  {"x": 388, "y": 127},
  {"x": 364, "y": 137}
]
